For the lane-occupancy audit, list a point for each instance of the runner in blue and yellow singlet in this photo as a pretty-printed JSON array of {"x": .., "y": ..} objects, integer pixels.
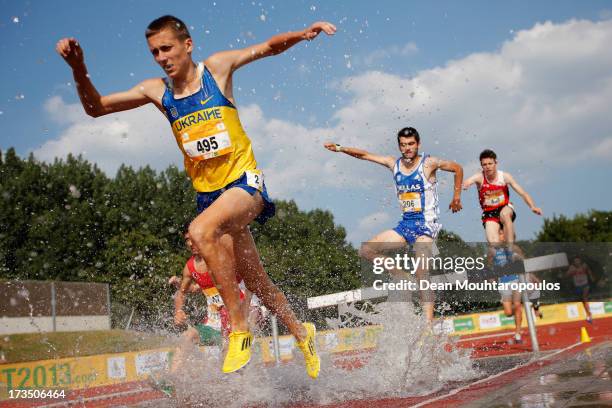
[{"x": 197, "y": 99}]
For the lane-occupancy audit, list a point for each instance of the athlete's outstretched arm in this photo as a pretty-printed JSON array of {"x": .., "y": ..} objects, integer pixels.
[
  {"x": 452, "y": 167},
  {"x": 524, "y": 195},
  {"x": 473, "y": 179},
  {"x": 95, "y": 104},
  {"x": 180, "y": 318},
  {"x": 226, "y": 62},
  {"x": 386, "y": 161}
]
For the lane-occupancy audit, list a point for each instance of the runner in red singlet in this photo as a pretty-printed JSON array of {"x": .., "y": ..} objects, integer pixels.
[{"x": 494, "y": 197}]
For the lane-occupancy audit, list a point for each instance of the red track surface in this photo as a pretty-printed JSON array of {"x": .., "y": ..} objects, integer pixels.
[
  {"x": 551, "y": 337},
  {"x": 444, "y": 398},
  {"x": 107, "y": 396}
]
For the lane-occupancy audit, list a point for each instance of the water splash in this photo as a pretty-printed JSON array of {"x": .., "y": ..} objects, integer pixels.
[
  {"x": 25, "y": 294},
  {"x": 408, "y": 361}
]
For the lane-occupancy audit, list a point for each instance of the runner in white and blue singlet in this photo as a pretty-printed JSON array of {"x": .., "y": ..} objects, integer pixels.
[
  {"x": 418, "y": 198},
  {"x": 416, "y": 186}
]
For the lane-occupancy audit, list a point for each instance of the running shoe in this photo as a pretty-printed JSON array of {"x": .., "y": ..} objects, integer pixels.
[
  {"x": 517, "y": 338},
  {"x": 238, "y": 351},
  {"x": 313, "y": 363},
  {"x": 589, "y": 319},
  {"x": 536, "y": 309}
]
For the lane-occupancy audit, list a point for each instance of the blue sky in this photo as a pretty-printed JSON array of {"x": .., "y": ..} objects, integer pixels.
[{"x": 532, "y": 80}]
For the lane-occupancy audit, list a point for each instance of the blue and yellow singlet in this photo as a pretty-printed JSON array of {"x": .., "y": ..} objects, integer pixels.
[{"x": 208, "y": 131}]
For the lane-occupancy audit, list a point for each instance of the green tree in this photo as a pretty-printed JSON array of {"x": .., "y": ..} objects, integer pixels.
[
  {"x": 68, "y": 221},
  {"x": 137, "y": 265},
  {"x": 585, "y": 235},
  {"x": 595, "y": 226},
  {"x": 305, "y": 253}
]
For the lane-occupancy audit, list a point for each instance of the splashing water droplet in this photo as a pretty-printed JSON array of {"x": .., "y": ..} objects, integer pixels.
[
  {"x": 74, "y": 191},
  {"x": 406, "y": 353}
]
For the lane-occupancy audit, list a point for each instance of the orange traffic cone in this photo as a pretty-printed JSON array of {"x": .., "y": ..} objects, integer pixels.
[{"x": 584, "y": 335}]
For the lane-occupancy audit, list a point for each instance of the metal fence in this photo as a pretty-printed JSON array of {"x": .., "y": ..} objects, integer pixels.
[{"x": 41, "y": 306}]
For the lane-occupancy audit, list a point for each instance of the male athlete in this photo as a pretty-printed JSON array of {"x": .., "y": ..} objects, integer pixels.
[
  {"x": 416, "y": 186},
  {"x": 581, "y": 274},
  {"x": 198, "y": 101},
  {"x": 494, "y": 197}
]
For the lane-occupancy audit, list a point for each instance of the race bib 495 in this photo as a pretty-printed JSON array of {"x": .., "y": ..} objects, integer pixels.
[
  {"x": 209, "y": 146},
  {"x": 203, "y": 139}
]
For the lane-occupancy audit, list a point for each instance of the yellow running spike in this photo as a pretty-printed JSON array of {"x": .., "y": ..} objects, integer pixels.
[
  {"x": 313, "y": 363},
  {"x": 238, "y": 351}
]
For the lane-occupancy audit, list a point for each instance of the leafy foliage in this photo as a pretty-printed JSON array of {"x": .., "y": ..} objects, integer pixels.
[
  {"x": 595, "y": 226},
  {"x": 68, "y": 221}
]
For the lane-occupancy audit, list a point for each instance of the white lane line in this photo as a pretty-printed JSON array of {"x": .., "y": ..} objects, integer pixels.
[
  {"x": 79, "y": 401},
  {"x": 488, "y": 336},
  {"x": 458, "y": 390}
]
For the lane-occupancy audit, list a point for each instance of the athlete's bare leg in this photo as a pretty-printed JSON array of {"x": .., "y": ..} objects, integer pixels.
[
  {"x": 393, "y": 239},
  {"x": 507, "y": 304},
  {"x": 257, "y": 281},
  {"x": 518, "y": 311},
  {"x": 390, "y": 237},
  {"x": 585, "y": 302},
  {"x": 376, "y": 247},
  {"x": 230, "y": 213},
  {"x": 384, "y": 241},
  {"x": 505, "y": 216},
  {"x": 492, "y": 232},
  {"x": 512, "y": 307},
  {"x": 423, "y": 248}
]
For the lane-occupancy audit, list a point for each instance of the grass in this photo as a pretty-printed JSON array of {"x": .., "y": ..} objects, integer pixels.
[{"x": 17, "y": 348}]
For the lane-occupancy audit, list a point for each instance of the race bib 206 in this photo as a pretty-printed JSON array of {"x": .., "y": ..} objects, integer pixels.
[{"x": 410, "y": 202}]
